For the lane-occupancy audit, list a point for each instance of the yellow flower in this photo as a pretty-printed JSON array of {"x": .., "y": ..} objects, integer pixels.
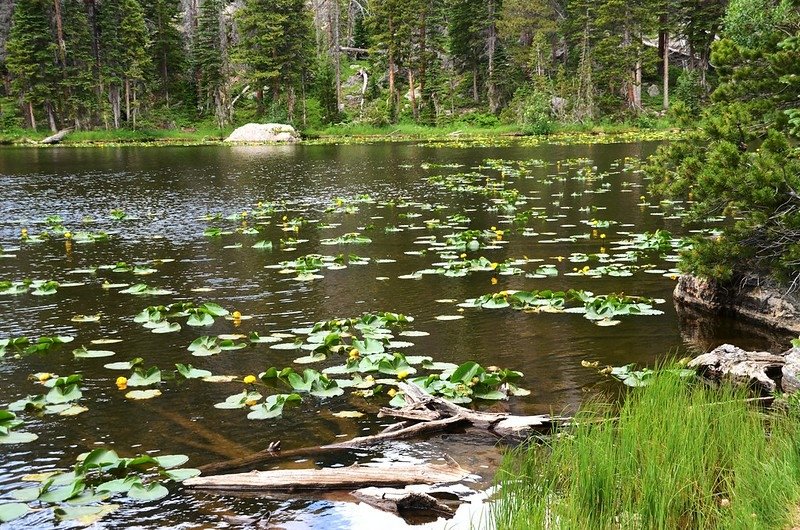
[
  {"x": 24, "y": 233},
  {"x": 122, "y": 383},
  {"x": 585, "y": 268},
  {"x": 67, "y": 235},
  {"x": 236, "y": 315},
  {"x": 354, "y": 353},
  {"x": 249, "y": 379},
  {"x": 602, "y": 236},
  {"x": 560, "y": 258},
  {"x": 463, "y": 255},
  {"x": 402, "y": 375},
  {"x": 493, "y": 228},
  {"x": 244, "y": 214},
  {"x": 392, "y": 392},
  {"x": 251, "y": 402},
  {"x": 494, "y": 281},
  {"x": 44, "y": 376}
]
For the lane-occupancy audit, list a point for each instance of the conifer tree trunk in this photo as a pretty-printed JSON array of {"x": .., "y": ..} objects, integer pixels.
[
  {"x": 31, "y": 116},
  {"x": 666, "y": 70},
  {"x": 491, "y": 89},
  {"x": 127, "y": 99}
]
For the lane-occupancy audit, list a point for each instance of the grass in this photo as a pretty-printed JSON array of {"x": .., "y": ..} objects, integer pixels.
[{"x": 673, "y": 456}]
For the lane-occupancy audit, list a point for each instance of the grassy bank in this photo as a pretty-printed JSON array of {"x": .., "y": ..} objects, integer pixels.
[
  {"x": 677, "y": 457},
  {"x": 347, "y": 133}
]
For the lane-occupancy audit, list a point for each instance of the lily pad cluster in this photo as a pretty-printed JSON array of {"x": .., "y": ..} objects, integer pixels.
[
  {"x": 98, "y": 477},
  {"x": 601, "y": 309}
]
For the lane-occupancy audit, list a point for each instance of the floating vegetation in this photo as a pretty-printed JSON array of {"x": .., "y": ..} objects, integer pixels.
[
  {"x": 25, "y": 346},
  {"x": 274, "y": 268},
  {"x": 82, "y": 494},
  {"x": 601, "y": 309}
]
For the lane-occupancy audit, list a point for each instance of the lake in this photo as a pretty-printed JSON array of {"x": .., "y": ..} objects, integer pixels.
[{"x": 185, "y": 219}]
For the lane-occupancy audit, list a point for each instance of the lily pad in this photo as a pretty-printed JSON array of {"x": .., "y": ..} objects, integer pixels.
[{"x": 143, "y": 394}]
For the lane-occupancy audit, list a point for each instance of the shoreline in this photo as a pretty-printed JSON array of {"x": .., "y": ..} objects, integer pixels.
[{"x": 492, "y": 136}]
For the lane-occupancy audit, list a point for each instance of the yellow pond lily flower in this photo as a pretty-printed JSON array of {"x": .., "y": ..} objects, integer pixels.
[
  {"x": 122, "y": 383},
  {"x": 249, "y": 379}
]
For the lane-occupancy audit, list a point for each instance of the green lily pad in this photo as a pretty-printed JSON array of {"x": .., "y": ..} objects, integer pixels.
[{"x": 12, "y": 510}]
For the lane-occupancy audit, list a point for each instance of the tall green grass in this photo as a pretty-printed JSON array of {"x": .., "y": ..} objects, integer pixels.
[{"x": 674, "y": 456}]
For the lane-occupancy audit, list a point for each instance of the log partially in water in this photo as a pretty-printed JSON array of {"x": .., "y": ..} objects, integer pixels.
[
  {"x": 421, "y": 406},
  {"x": 56, "y": 138},
  {"x": 431, "y": 413},
  {"x": 351, "y": 477}
]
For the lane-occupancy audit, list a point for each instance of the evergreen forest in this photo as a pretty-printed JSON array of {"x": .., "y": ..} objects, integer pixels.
[{"x": 162, "y": 64}]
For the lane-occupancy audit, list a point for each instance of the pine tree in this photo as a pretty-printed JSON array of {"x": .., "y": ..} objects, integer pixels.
[
  {"x": 123, "y": 49},
  {"x": 210, "y": 62},
  {"x": 31, "y": 59},
  {"x": 166, "y": 46},
  {"x": 79, "y": 79},
  {"x": 275, "y": 44},
  {"x": 467, "y": 22}
]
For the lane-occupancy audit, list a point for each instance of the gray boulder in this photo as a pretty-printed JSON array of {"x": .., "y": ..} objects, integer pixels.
[
  {"x": 263, "y": 132},
  {"x": 653, "y": 91}
]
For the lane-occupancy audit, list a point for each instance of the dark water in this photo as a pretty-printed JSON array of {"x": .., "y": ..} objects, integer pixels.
[{"x": 168, "y": 190}]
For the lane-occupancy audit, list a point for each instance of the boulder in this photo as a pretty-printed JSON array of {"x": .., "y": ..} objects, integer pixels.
[
  {"x": 263, "y": 132},
  {"x": 653, "y": 91}
]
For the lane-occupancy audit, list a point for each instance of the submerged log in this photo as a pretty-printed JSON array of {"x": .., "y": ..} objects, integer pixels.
[
  {"x": 432, "y": 415},
  {"x": 56, "y": 138},
  {"x": 397, "y": 431},
  {"x": 352, "y": 477}
]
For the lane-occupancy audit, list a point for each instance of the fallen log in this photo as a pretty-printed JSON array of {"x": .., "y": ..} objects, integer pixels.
[
  {"x": 766, "y": 371},
  {"x": 402, "y": 500},
  {"x": 431, "y": 413},
  {"x": 421, "y": 406},
  {"x": 351, "y": 477},
  {"x": 56, "y": 138}
]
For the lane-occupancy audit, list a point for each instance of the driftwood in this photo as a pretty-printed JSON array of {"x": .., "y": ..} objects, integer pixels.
[
  {"x": 430, "y": 414},
  {"x": 402, "y": 500},
  {"x": 56, "y": 138},
  {"x": 424, "y": 407},
  {"x": 351, "y": 477},
  {"x": 766, "y": 371}
]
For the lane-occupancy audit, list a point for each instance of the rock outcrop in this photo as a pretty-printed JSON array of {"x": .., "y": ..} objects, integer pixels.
[
  {"x": 752, "y": 300},
  {"x": 263, "y": 133}
]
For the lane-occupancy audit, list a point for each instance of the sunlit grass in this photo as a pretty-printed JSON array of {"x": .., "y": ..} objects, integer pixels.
[{"x": 675, "y": 456}]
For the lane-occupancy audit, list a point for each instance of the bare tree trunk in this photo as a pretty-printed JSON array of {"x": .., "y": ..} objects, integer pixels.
[
  {"x": 391, "y": 66},
  {"x": 666, "y": 70},
  {"x": 412, "y": 91},
  {"x": 491, "y": 88},
  {"x": 62, "y": 48},
  {"x": 51, "y": 118},
  {"x": 637, "y": 85},
  {"x": 114, "y": 99},
  {"x": 475, "y": 95},
  {"x": 135, "y": 108},
  {"x": 31, "y": 116},
  {"x": 337, "y": 54},
  {"x": 127, "y": 99}
]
